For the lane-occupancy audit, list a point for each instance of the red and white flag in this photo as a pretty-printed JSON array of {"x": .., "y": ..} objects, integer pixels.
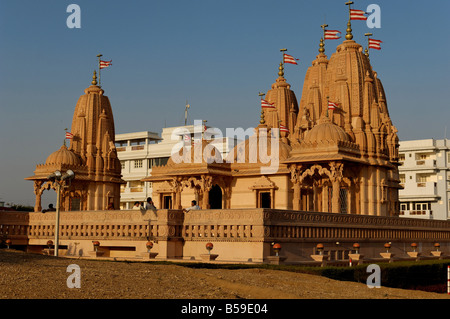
[
  {"x": 332, "y": 105},
  {"x": 289, "y": 59},
  {"x": 266, "y": 105},
  {"x": 105, "y": 64},
  {"x": 357, "y": 15},
  {"x": 283, "y": 128},
  {"x": 69, "y": 135},
  {"x": 332, "y": 34},
  {"x": 375, "y": 44}
]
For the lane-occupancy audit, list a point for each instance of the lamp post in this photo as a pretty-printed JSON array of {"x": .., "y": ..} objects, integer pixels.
[{"x": 60, "y": 181}]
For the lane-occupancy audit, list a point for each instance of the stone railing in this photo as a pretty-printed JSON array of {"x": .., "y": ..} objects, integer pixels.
[
  {"x": 323, "y": 226},
  {"x": 237, "y": 234}
]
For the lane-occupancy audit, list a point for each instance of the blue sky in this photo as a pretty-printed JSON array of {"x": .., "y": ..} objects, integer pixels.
[{"x": 216, "y": 54}]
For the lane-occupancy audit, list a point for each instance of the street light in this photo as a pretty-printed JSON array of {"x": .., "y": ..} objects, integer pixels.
[{"x": 60, "y": 180}]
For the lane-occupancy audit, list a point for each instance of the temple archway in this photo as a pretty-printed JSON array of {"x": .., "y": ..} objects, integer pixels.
[{"x": 215, "y": 197}]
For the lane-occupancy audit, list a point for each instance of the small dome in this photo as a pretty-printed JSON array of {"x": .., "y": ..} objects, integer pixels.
[
  {"x": 326, "y": 131},
  {"x": 63, "y": 156}
]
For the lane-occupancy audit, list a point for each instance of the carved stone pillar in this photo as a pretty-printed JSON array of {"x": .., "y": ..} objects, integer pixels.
[
  {"x": 335, "y": 208},
  {"x": 38, "y": 193},
  {"x": 206, "y": 185},
  {"x": 296, "y": 179},
  {"x": 296, "y": 205},
  {"x": 336, "y": 176}
]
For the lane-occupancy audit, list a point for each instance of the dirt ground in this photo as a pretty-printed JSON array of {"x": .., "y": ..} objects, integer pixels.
[{"x": 32, "y": 276}]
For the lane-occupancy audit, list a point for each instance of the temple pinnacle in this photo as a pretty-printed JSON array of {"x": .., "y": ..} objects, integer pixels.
[
  {"x": 94, "y": 78},
  {"x": 281, "y": 69},
  {"x": 349, "y": 34},
  {"x": 322, "y": 46},
  {"x": 263, "y": 120}
]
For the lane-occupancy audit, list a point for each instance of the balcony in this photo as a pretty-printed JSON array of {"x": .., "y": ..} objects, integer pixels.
[
  {"x": 130, "y": 148},
  {"x": 426, "y": 163},
  {"x": 424, "y": 214},
  {"x": 418, "y": 189}
]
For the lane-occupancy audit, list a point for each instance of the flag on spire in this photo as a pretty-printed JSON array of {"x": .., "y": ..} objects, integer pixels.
[
  {"x": 69, "y": 135},
  {"x": 357, "y": 15},
  {"x": 289, "y": 59},
  {"x": 332, "y": 105},
  {"x": 331, "y": 35},
  {"x": 266, "y": 105},
  {"x": 375, "y": 44},
  {"x": 105, "y": 64},
  {"x": 283, "y": 128}
]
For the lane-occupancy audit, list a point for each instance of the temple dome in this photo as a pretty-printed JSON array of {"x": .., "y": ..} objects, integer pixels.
[
  {"x": 63, "y": 156},
  {"x": 326, "y": 131}
]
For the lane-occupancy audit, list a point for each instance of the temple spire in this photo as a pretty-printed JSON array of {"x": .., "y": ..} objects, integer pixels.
[{"x": 349, "y": 34}]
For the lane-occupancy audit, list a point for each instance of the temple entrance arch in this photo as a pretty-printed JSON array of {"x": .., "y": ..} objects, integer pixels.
[{"x": 215, "y": 197}]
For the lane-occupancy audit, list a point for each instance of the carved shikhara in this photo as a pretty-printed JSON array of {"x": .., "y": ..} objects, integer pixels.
[{"x": 341, "y": 160}]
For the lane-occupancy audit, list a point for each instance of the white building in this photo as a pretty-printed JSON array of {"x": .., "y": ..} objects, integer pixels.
[
  {"x": 425, "y": 176},
  {"x": 138, "y": 152}
]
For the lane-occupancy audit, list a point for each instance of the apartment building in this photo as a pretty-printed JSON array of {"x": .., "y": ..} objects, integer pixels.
[
  {"x": 425, "y": 177},
  {"x": 138, "y": 152}
]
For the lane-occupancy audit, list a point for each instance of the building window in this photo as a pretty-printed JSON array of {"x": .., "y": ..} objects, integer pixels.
[
  {"x": 138, "y": 164},
  {"x": 422, "y": 206},
  {"x": 422, "y": 178},
  {"x": 75, "y": 203},
  {"x": 404, "y": 206},
  {"x": 167, "y": 202},
  {"x": 158, "y": 161},
  {"x": 402, "y": 178},
  {"x": 122, "y": 164},
  {"x": 136, "y": 186},
  {"x": 401, "y": 157}
]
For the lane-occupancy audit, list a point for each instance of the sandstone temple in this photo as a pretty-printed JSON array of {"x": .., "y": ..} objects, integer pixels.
[{"x": 332, "y": 195}]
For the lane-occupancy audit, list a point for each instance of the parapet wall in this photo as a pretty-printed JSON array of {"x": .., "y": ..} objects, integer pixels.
[{"x": 238, "y": 235}]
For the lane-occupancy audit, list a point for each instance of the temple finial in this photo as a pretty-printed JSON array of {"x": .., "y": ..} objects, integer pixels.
[
  {"x": 321, "y": 46},
  {"x": 349, "y": 34},
  {"x": 94, "y": 78},
  {"x": 281, "y": 69},
  {"x": 263, "y": 120},
  {"x": 322, "y": 43}
]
